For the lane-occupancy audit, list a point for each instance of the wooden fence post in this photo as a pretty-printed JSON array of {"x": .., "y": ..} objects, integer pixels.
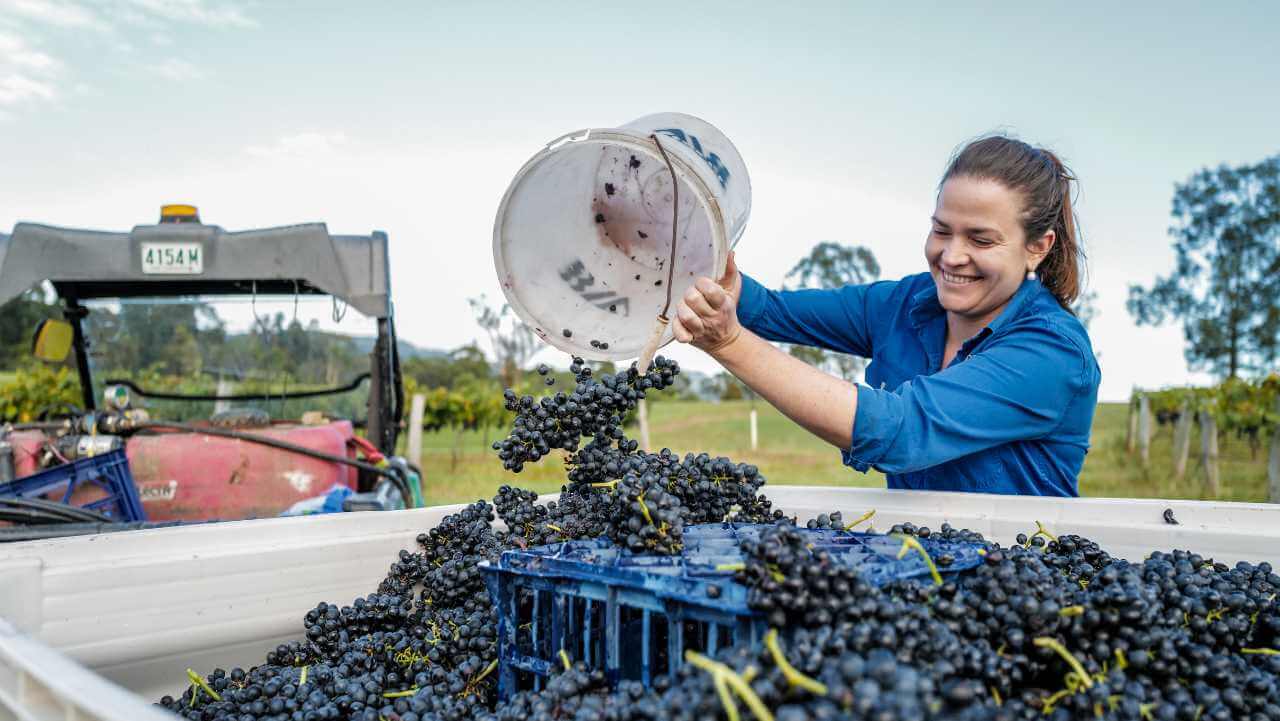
[
  {"x": 1144, "y": 429},
  {"x": 1182, "y": 441},
  {"x": 417, "y": 410},
  {"x": 642, "y": 415},
  {"x": 1273, "y": 463},
  {"x": 1209, "y": 453},
  {"x": 1131, "y": 437},
  {"x": 755, "y": 436}
]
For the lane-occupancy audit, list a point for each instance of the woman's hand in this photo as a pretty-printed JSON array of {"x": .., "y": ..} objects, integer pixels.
[{"x": 707, "y": 316}]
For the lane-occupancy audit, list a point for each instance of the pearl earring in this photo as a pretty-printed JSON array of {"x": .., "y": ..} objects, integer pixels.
[{"x": 1031, "y": 274}]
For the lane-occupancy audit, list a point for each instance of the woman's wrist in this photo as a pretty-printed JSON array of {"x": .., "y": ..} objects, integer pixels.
[{"x": 729, "y": 352}]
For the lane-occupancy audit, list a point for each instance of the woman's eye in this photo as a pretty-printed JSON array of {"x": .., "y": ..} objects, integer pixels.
[
  {"x": 982, "y": 242},
  {"x": 940, "y": 231}
]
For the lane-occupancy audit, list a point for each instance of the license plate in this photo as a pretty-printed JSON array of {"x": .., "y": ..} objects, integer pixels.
[{"x": 172, "y": 258}]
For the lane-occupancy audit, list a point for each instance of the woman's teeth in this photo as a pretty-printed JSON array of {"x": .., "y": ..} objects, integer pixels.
[{"x": 959, "y": 279}]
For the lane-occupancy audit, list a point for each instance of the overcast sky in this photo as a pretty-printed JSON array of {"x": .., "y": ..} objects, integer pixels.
[{"x": 412, "y": 118}]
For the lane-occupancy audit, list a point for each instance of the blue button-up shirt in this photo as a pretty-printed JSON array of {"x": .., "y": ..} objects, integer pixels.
[{"x": 1010, "y": 414}]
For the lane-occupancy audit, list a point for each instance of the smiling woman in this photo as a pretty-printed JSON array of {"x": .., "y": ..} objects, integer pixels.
[{"x": 981, "y": 379}]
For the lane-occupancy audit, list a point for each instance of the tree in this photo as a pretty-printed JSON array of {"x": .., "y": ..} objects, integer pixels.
[
  {"x": 1225, "y": 285},
  {"x": 832, "y": 265},
  {"x": 145, "y": 334},
  {"x": 512, "y": 342},
  {"x": 1086, "y": 307},
  {"x": 727, "y": 387},
  {"x": 18, "y": 320},
  {"x": 447, "y": 371}
]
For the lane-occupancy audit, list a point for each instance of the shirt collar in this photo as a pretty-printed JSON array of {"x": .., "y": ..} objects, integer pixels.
[{"x": 924, "y": 306}]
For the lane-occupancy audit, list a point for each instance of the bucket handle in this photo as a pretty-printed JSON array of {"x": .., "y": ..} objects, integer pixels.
[{"x": 569, "y": 138}]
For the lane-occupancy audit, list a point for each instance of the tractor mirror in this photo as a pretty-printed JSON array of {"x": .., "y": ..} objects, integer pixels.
[{"x": 52, "y": 340}]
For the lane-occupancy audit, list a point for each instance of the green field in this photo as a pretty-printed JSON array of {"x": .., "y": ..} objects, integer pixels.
[{"x": 789, "y": 455}]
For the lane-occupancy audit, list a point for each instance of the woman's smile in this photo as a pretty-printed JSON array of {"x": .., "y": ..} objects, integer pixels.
[{"x": 959, "y": 279}]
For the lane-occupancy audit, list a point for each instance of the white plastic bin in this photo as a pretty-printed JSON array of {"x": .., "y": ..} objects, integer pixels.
[
  {"x": 582, "y": 240},
  {"x": 98, "y": 627}
]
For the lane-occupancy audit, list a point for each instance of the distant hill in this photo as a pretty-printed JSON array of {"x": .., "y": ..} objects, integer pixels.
[{"x": 407, "y": 349}]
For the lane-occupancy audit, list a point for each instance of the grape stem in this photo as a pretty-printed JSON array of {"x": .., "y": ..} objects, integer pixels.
[
  {"x": 864, "y": 517},
  {"x": 725, "y": 680},
  {"x": 487, "y": 670},
  {"x": 473, "y": 683},
  {"x": 1121, "y": 662},
  {"x": 909, "y": 543},
  {"x": 1054, "y": 645},
  {"x": 1054, "y": 698},
  {"x": 401, "y": 694},
  {"x": 201, "y": 685},
  {"x": 1262, "y": 651},
  {"x": 722, "y": 690},
  {"x": 1040, "y": 531},
  {"x": 793, "y": 676},
  {"x": 644, "y": 510},
  {"x": 564, "y": 659}
]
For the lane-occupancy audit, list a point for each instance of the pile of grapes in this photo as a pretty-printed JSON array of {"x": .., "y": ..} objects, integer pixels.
[{"x": 1050, "y": 628}]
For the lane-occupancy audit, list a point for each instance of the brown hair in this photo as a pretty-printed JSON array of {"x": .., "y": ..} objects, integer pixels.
[{"x": 1045, "y": 184}]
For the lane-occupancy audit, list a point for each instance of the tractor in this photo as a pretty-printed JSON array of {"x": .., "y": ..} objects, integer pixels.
[{"x": 215, "y": 424}]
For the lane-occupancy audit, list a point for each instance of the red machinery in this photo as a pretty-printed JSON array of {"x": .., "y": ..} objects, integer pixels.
[{"x": 232, "y": 465}]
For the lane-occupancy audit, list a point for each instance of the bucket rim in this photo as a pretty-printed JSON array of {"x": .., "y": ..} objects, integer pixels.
[{"x": 686, "y": 171}]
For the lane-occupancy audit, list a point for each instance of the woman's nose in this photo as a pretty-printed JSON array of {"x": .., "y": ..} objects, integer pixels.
[{"x": 952, "y": 255}]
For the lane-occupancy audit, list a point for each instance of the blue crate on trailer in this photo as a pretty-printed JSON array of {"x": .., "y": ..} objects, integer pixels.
[
  {"x": 108, "y": 471},
  {"x": 634, "y": 616}
]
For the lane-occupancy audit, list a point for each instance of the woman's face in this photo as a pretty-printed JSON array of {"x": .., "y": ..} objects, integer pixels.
[{"x": 977, "y": 251}]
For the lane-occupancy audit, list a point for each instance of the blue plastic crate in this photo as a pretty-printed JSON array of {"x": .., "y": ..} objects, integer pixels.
[
  {"x": 634, "y": 616},
  {"x": 109, "y": 471}
]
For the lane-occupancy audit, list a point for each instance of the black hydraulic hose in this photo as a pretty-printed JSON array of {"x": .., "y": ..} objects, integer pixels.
[
  {"x": 389, "y": 473},
  {"x": 34, "y": 426},
  {"x": 29, "y": 517},
  {"x": 71, "y": 513},
  {"x": 355, "y": 383}
]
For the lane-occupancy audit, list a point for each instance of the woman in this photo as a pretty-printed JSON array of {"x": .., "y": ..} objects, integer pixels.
[{"x": 981, "y": 379}]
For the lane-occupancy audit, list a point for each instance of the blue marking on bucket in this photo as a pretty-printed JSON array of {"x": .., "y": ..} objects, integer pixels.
[
  {"x": 576, "y": 275},
  {"x": 712, "y": 160}
]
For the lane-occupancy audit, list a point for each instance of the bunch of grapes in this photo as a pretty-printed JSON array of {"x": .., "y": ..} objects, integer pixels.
[
  {"x": 596, "y": 407},
  {"x": 641, "y": 500},
  {"x": 791, "y": 583}
]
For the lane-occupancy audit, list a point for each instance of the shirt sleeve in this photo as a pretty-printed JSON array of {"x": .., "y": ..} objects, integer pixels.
[
  {"x": 1018, "y": 388},
  {"x": 835, "y": 319}
]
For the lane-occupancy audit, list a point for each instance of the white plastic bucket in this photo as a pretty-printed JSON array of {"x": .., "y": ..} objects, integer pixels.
[{"x": 583, "y": 234}]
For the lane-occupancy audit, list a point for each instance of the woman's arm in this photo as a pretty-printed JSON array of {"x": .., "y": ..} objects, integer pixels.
[
  {"x": 836, "y": 319},
  {"x": 707, "y": 317},
  {"x": 821, "y": 403},
  {"x": 1016, "y": 387}
]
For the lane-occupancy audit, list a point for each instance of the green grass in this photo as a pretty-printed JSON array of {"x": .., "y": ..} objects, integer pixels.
[
  {"x": 1109, "y": 471},
  {"x": 7, "y": 377},
  {"x": 789, "y": 455}
]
